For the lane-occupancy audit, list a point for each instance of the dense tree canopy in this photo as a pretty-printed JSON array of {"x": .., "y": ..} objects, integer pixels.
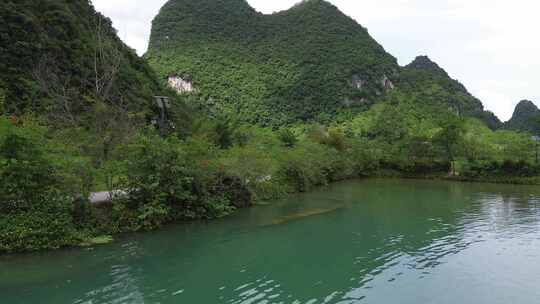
[
  {"x": 429, "y": 83},
  {"x": 66, "y": 45},
  {"x": 526, "y": 118},
  {"x": 308, "y": 63},
  {"x": 295, "y": 65}
]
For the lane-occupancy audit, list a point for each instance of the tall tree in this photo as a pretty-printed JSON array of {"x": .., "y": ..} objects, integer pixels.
[{"x": 449, "y": 138}]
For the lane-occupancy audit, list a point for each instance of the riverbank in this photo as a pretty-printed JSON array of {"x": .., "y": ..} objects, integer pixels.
[
  {"x": 194, "y": 178},
  {"x": 102, "y": 212}
]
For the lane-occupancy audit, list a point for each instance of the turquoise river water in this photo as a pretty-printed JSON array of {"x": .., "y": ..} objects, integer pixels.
[{"x": 368, "y": 241}]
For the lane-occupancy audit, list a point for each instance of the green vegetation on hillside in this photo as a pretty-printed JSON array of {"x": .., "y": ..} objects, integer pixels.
[
  {"x": 215, "y": 165},
  {"x": 62, "y": 62},
  {"x": 526, "y": 118},
  {"x": 296, "y": 65},
  {"x": 308, "y": 63},
  {"x": 60, "y": 57},
  {"x": 429, "y": 83}
]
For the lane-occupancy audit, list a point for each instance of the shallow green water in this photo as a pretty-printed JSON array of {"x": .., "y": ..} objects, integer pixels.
[{"x": 371, "y": 241}]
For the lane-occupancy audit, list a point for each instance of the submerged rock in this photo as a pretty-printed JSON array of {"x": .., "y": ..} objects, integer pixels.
[
  {"x": 304, "y": 214},
  {"x": 99, "y": 240}
]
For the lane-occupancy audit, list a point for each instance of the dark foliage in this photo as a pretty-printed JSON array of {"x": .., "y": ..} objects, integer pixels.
[
  {"x": 509, "y": 168},
  {"x": 296, "y": 65},
  {"x": 35, "y": 210},
  {"x": 429, "y": 83},
  {"x": 526, "y": 118},
  {"x": 61, "y": 37}
]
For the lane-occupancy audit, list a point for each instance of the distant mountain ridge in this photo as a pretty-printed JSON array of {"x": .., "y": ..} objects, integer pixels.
[{"x": 428, "y": 82}]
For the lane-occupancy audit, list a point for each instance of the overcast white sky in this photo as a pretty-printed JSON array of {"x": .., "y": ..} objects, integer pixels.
[{"x": 491, "y": 46}]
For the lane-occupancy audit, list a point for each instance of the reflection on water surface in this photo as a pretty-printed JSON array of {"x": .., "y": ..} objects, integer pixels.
[{"x": 370, "y": 241}]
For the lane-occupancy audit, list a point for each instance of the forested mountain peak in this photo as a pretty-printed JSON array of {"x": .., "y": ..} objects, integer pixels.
[
  {"x": 524, "y": 107},
  {"x": 526, "y": 117},
  {"x": 429, "y": 83},
  {"x": 216, "y": 19},
  {"x": 425, "y": 63},
  {"x": 314, "y": 4},
  {"x": 310, "y": 62}
]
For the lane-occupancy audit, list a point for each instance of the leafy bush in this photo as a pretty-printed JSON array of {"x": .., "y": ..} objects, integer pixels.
[
  {"x": 46, "y": 226},
  {"x": 426, "y": 167},
  {"x": 35, "y": 209},
  {"x": 507, "y": 167},
  {"x": 304, "y": 167},
  {"x": 223, "y": 132},
  {"x": 333, "y": 137},
  {"x": 167, "y": 181},
  {"x": 287, "y": 137},
  {"x": 363, "y": 157}
]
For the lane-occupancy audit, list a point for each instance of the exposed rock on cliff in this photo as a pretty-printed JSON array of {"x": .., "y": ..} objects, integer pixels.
[{"x": 181, "y": 85}]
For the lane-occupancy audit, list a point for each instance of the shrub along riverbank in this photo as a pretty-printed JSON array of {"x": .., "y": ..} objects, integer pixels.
[
  {"x": 215, "y": 166},
  {"x": 173, "y": 180}
]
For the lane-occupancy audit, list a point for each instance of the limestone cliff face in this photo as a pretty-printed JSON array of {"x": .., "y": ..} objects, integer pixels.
[
  {"x": 359, "y": 82},
  {"x": 387, "y": 84},
  {"x": 180, "y": 85}
]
